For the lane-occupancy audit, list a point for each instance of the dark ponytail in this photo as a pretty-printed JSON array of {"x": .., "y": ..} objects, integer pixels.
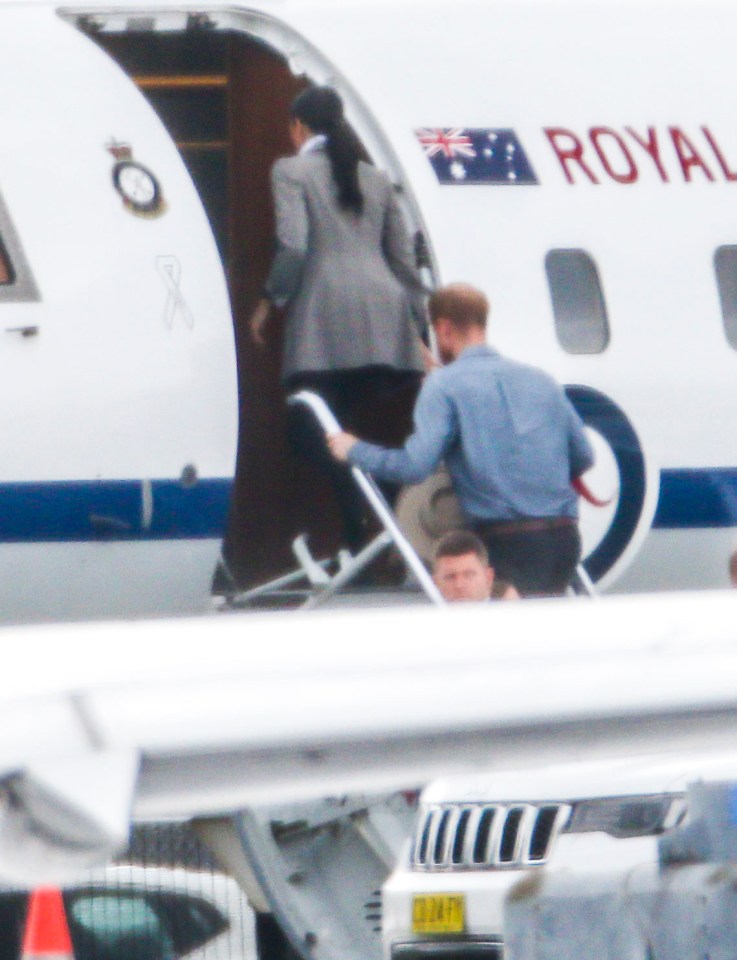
[{"x": 321, "y": 109}]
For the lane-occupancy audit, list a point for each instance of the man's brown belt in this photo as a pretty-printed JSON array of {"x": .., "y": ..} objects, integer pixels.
[{"x": 501, "y": 527}]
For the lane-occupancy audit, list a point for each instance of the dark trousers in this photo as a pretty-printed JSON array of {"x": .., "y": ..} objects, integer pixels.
[
  {"x": 375, "y": 404},
  {"x": 539, "y": 562}
]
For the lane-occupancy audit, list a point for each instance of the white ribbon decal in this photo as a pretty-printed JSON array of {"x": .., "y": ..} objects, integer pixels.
[{"x": 170, "y": 270}]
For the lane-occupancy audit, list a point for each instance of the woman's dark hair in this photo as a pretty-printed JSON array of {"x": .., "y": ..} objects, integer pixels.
[{"x": 321, "y": 109}]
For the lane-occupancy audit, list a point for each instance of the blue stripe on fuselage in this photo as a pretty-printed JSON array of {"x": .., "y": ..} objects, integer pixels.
[
  {"x": 89, "y": 510},
  {"x": 697, "y": 498},
  {"x": 84, "y": 510}
]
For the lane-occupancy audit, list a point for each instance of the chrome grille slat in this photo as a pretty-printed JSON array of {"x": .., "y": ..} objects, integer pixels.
[
  {"x": 471, "y": 831},
  {"x": 512, "y": 841},
  {"x": 482, "y": 855},
  {"x": 450, "y": 835},
  {"x": 433, "y": 837},
  {"x": 530, "y": 814},
  {"x": 421, "y": 841},
  {"x": 560, "y": 813},
  {"x": 444, "y": 831},
  {"x": 510, "y": 837},
  {"x": 460, "y": 839},
  {"x": 497, "y": 836}
]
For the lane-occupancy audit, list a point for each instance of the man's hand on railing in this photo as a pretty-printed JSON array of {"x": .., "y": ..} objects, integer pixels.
[{"x": 340, "y": 444}]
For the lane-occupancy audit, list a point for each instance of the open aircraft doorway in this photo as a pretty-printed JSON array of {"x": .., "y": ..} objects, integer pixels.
[{"x": 222, "y": 84}]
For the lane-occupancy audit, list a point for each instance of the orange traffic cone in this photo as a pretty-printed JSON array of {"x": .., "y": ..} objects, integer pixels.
[{"x": 46, "y": 936}]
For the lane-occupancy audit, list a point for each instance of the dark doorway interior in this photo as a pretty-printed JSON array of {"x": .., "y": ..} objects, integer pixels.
[{"x": 225, "y": 99}]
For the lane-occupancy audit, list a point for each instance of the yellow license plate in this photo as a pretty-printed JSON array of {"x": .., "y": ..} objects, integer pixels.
[{"x": 438, "y": 913}]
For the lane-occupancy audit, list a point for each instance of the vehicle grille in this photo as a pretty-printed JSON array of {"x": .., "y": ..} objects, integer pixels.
[{"x": 480, "y": 836}]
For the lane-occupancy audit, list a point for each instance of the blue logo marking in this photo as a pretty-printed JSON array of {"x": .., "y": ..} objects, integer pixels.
[{"x": 603, "y": 415}]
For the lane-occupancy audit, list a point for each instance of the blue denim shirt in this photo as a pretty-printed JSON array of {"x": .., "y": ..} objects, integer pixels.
[{"x": 509, "y": 436}]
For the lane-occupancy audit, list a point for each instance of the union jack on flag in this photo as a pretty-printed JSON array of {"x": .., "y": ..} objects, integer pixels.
[
  {"x": 446, "y": 143},
  {"x": 473, "y": 155}
]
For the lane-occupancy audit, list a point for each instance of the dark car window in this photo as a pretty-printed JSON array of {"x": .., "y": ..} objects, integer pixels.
[
  {"x": 13, "y": 908},
  {"x": 117, "y": 927},
  {"x": 141, "y": 925},
  {"x": 192, "y": 922}
]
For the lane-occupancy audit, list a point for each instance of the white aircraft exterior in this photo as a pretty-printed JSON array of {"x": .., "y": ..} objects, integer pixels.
[
  {"x": 203, "y": 716},
  {"x": 117, "y": 359},
  {"x": 575, "y": 161}
]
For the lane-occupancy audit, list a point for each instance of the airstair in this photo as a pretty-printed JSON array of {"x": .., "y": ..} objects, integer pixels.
[{"x": 320, "y": 580}]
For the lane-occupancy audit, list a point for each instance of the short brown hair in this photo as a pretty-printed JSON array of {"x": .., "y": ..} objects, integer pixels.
[
  {"x": 462, "y": 304},
  {"x": 458, "y": 543}
]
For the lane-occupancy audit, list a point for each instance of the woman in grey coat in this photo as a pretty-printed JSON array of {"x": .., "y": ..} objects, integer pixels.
[{"x": 345, "y": 270}]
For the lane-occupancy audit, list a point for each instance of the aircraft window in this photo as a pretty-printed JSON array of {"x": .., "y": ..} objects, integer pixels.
[
  {"x": 6, "y": 272},
  {"x": 725, "y": 266},
  {"x": 16, "y": 279},
  {"x": 581, "y": 322}
]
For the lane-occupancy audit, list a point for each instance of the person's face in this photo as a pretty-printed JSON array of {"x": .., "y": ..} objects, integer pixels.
[
  {"x": 463, "y": 578},
  {"x": 298, "y": 133}
]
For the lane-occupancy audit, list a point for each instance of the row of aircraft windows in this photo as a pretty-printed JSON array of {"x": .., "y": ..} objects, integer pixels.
[{"x": 581, "y": 322}]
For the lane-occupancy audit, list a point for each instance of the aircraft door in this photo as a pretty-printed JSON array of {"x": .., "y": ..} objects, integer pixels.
[
  {"x": 115, "y": 344},
  {"x": 225, "y": 101},
  {"x": 275, "y": 496}
]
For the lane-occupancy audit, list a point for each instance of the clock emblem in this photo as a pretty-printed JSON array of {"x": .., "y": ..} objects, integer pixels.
[{"x": 136, "y": 184}]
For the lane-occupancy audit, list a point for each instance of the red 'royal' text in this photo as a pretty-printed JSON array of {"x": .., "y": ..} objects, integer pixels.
[{"x": 624, "y": 155}]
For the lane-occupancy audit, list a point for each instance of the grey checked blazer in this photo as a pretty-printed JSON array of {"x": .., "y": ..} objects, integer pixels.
[{"x": 354, "y": 295}]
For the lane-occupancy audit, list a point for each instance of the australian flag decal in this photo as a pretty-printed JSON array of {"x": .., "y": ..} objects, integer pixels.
[{"x": 472, "y": 155}]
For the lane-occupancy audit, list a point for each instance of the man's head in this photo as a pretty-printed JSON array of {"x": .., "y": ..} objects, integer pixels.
[
  {"x": 461, "y": 569},
  {"x": 458, "y": 313}
]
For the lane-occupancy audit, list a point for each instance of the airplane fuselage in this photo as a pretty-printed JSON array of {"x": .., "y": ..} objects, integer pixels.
[{"x": 576, "y": 162}]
